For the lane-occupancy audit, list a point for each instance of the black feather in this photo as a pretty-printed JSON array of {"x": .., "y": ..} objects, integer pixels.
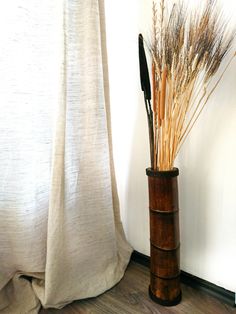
[{"x": 144, "y": 75}]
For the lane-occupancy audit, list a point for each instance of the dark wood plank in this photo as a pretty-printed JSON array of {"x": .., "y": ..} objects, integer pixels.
[{"x": 130, "y": 296}]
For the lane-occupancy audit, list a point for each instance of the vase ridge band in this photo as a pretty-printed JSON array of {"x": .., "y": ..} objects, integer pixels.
[
  {"x": 164, "y": 249},
  {"x": 167, "y": 277},
  {"x": 164, "y": 212},
  {"x": 166, "y": 174}
]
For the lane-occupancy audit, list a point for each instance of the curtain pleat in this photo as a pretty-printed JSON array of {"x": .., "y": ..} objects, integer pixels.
[{"x": 61, "y": 237}]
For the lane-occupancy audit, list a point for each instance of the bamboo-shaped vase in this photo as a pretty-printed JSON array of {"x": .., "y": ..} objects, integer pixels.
[{"x": 164, "y": 237}]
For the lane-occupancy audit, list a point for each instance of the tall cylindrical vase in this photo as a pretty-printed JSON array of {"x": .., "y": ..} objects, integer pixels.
[{"x": 164, "y": 237}]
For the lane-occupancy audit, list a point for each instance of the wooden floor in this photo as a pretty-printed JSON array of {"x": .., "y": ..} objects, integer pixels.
[{"x": 130, "y": 296}]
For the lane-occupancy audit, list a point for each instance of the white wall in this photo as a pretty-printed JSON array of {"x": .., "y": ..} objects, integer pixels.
[{"x": 207, "y": 181}]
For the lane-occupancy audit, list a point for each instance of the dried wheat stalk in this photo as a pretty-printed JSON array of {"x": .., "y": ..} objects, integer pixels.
[{"x": 187, "y": 52}]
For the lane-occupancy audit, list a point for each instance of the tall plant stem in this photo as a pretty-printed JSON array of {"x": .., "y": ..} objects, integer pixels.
[{"x": 150, "y": 129}]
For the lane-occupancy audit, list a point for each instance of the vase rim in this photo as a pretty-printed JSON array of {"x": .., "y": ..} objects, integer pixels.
[{"x": 162, "y": 174}]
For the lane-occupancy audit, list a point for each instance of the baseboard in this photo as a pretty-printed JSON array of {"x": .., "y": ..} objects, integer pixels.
[{"x": 193, "y": 281}]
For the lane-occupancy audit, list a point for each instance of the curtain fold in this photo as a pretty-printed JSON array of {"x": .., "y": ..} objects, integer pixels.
[{"x": 61, "y": 237}]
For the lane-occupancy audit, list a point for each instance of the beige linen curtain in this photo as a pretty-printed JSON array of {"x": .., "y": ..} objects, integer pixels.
[{"x": 61, "y": 237}]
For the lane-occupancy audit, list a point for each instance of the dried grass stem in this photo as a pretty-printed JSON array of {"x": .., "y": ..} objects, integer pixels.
[{"x": 187, "y": 51}]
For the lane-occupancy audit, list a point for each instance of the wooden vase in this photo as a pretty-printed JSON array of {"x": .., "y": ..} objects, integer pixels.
[{"x": 164, "y": 237}]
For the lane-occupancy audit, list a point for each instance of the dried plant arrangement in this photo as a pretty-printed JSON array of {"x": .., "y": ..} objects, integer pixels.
[{"x": 187, "y": 50}]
